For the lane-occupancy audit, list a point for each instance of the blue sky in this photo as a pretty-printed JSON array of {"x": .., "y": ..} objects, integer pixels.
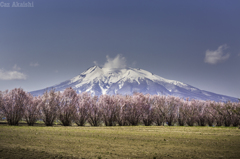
[{"x": 195, "y": 42}]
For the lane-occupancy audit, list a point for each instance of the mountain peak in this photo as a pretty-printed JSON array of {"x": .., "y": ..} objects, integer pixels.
[{"x": 103, "y": 80}]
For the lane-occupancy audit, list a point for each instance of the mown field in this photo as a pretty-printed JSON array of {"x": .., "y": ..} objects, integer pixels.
[{"x": 118, "y": 142}]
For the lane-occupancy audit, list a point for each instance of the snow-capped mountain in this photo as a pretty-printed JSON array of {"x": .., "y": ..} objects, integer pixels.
[{"x": 97, "y": 81}]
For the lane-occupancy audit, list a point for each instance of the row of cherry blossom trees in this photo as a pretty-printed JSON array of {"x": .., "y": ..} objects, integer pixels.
[{"x": 111, "y": 110}]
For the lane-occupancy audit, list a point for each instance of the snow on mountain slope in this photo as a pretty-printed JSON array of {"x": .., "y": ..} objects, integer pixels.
[{"x": 99, "y": 81}]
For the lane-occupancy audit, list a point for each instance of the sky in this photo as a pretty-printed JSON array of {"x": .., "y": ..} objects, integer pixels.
[{"x": 194, "y": 42}]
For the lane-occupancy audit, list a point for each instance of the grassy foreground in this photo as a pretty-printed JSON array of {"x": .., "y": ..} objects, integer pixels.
[{"x": 119, "y": 142}]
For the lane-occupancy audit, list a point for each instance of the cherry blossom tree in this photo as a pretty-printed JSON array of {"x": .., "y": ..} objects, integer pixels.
[
  {"x": 67, "y": 106},
  {"x": 108, "y": 107},
  {"x": 81, "y": 114},
  {"x": 133, "y": 108},
  {"x": 236, "y": 116},
  {"x": 230, "y": 117},
  {"x": 49, "y": 106},
  {"x": 210, "y": 117},
  {"x": 148, "y": 111},
  {"x": 222, "y": 113},
  {"x": 158, "y": 104},
  {"x": 216, "y": 112},
  {"x": 121, "y": 110},
  {"x": 95, "y": 114},
  {"x": 166, "y": 109},
  {"x": 13, "y": 104},
  {"x": 201, "y": 113},
  {"x": 235, "y": 120},
  {"x": 1, "y": 102},
  {"x": 236, "y": 110},
  {"x": 170, "y": 108},
  {"x": 32, "y": 109},
  {"x": 180, "y": 115},
  {"x": 227, "y": 113},
  {"x": 190, "y": 112}
]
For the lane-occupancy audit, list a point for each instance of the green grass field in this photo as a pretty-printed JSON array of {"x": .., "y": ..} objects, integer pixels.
[{"x": 119, "y": 142}]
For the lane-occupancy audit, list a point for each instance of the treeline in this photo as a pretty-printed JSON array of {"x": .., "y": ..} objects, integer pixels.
[{"x": 112, "y": 110}]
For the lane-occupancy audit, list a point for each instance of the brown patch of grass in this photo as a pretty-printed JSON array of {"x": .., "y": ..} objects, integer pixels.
[{"x": 119, "y": 142}]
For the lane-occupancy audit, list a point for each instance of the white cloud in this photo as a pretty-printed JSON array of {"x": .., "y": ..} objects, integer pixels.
[
  {"x": 15, "y": 67},
  {"x": 216, "y": 56},
  {"x": 134, "y": 64},
  {"x": 95, "y": 63},
  {"x": 11, "y": 75},
  {"x": 34, "y": 64},
  {"x": 117, "y": 62}
]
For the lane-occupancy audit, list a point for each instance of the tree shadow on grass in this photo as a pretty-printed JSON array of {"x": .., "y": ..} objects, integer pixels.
[
  {"x": 20, "y": 153},
  {"x": 4, "y": 123}
]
